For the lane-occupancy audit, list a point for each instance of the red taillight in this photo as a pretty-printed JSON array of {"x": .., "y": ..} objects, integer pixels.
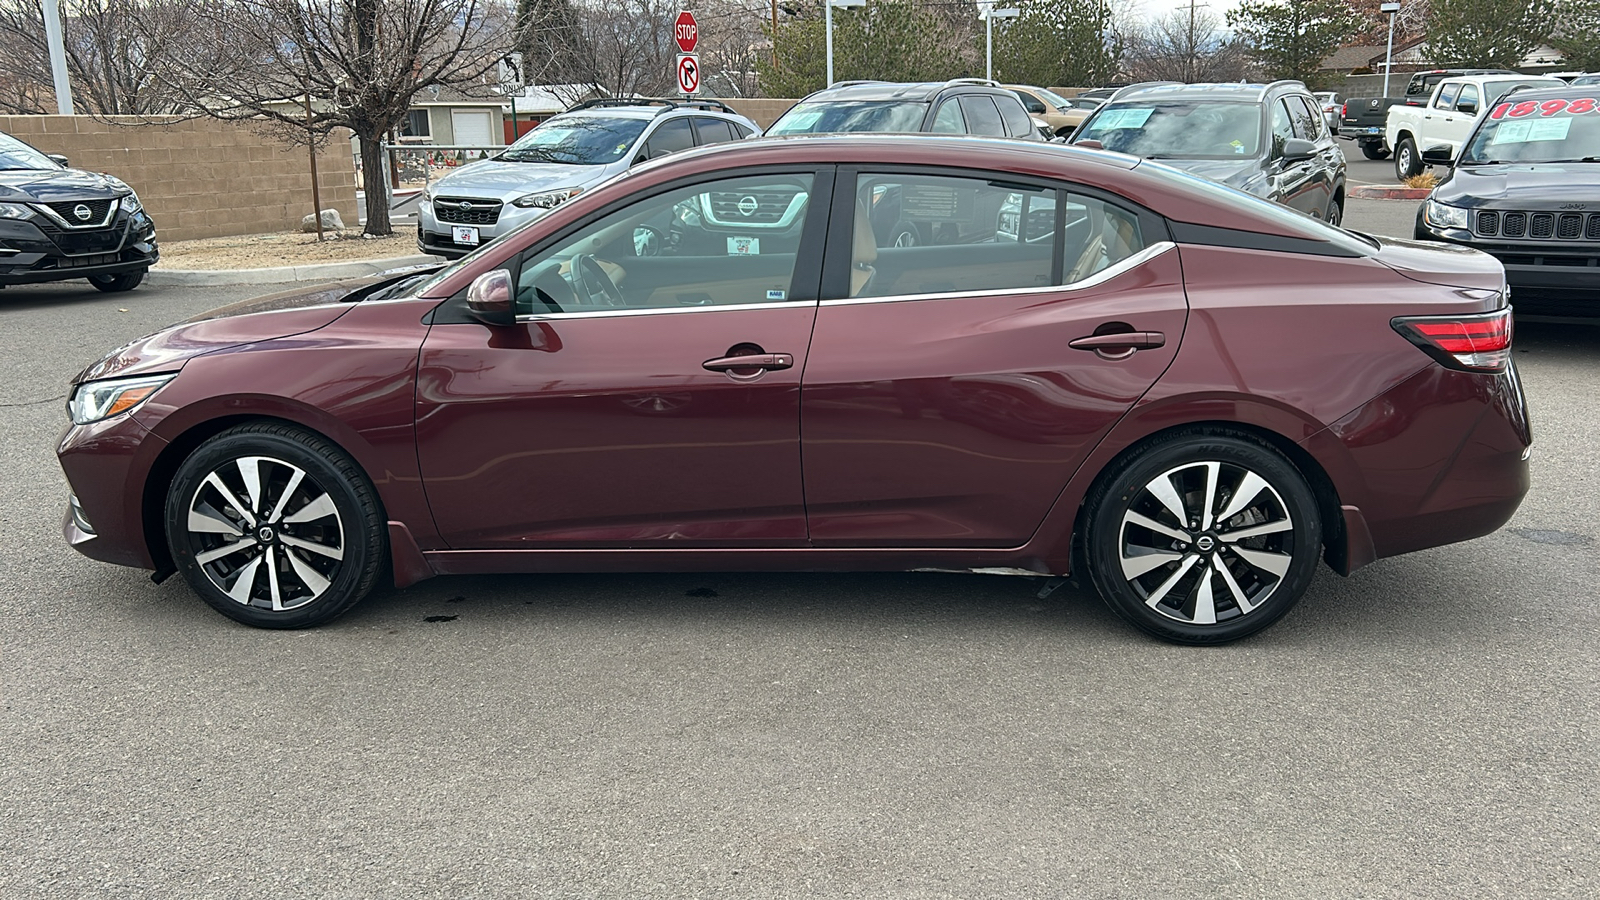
[
  {"x": 1344, "y": 110},
  {"x": 1473, "y": 343}
]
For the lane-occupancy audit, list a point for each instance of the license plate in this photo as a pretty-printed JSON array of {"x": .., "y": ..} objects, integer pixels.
[
  {"x": 464, "y": 234},
  {"x": 1373, "y": 130}
]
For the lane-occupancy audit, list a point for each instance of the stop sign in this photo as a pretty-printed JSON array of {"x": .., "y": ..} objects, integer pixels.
[{"x": 686, "y": 31}]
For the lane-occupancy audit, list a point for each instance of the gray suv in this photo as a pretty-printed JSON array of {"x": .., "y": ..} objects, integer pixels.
[
  {"x": 561, "y": 158},
  {"x": 957, "y": 106}
]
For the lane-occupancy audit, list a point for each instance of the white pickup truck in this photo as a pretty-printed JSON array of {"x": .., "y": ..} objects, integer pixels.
[{"x": 1447, "y": 119}]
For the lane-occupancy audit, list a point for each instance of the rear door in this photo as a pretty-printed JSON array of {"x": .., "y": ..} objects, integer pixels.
[{"x": 955, "y": 384}]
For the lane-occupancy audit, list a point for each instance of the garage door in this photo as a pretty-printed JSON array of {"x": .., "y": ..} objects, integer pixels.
[{"x": 471, "y": 127}]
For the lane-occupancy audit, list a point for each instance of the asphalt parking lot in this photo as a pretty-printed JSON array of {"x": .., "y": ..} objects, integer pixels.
[{"x": 1425, "y": 728}]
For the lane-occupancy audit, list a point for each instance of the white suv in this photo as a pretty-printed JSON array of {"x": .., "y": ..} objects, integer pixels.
[{"x": 561, "y": 158}]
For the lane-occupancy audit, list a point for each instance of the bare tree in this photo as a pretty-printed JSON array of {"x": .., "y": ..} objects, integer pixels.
[
  {"x": 113, "y": 49},
  {"x": 359, "y": 64},
  {"x": 1187, "y": 44}
]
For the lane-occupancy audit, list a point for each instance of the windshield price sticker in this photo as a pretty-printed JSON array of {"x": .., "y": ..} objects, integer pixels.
[
  {"x": 1532, "y": 130},
  {"x": 1124, "y": 118},
  {"x": 1546, "y": 108}
]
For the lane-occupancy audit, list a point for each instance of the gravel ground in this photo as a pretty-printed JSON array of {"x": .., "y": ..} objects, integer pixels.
[{"x": 261, "y": 251}]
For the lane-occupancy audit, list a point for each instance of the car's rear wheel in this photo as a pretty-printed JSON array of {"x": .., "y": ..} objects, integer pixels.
[
  {"x": 274, "y": 526},
  {"x": 1374, "y": 150},
  {"x": 1203, "y": 538},
  {"x": 116, "y": 284},
  {"x": 904, "y": 234},
  {"x": 1406, "y": 162}
]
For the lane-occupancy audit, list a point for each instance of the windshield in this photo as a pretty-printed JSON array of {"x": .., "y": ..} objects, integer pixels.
[
  {"x": 577, "y": 140},
  {"x": 1053, "y": 98},
  {"x": 1566, "y": 128},
  {"x": 850, "y": 115},
  {"x": 1181, "y": 129},
  {"x": 14, "y": 154},
  {"x": 1295, "y": 224}
]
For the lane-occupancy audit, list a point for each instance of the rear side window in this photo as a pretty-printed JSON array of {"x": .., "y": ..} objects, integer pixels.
[
  {"x": 938, "y": 234},
  {"x": 1307, "y": 118},
  {"x": 1017, "y": 122},
  {"x": 982, "y": 117}
]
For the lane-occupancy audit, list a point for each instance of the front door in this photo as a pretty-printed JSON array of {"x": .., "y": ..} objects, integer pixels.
[
  {"x": 956, "y": 382},
  {"x": 649, "y": 394}
]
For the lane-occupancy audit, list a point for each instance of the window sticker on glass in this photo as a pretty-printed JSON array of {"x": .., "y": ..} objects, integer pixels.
[
  {"x": 1529, "y": 130},
  {"x": 1124, "y": 118},
  {"x": 744, "y": 246},
  {"x": 775, "y": 295}
]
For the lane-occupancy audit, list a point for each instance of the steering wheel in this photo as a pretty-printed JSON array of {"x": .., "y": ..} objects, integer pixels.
[{"x": 592, "y": 280}]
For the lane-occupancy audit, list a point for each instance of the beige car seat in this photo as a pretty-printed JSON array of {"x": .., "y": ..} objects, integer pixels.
[{"x": 863, "y": 253}]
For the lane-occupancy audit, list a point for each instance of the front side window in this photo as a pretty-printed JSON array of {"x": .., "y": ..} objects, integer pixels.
[
  {"x": 722, "y": 243},
  {"x": 1178, "y": 129},
  {"x": 577, "y": 140},
  {"x": 937, "y": 234},
  {"x": 851, "y": 115},
  {"x": 1467, "y": 103},
  {"x": 948, "y": 120},
  {"x": 1282, "y": 127},
  {"x": 670, "y": 137},
  {"x": 1031, "y": 103},
  {"x": 1447, "y": 96}
]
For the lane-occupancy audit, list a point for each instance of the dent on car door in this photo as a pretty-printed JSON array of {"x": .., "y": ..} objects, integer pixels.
[
  {"x": 955, "y": 385},
  {"x": 649, "y": 391}
]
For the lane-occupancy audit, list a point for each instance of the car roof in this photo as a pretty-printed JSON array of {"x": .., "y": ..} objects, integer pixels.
[
  {"x": 1549, "y": 92},
  {"x": 894, "y": 90},
  {"x": 1214, "y": 90}
]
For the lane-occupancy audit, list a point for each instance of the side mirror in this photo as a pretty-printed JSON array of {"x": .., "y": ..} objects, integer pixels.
[
  {"x": 1440, "y": 155},
  {"x": 58, "y": 158},
  {"x": 489, "y": 298},
  {"x": 1090, "y": 145},
  {"x": 1468, "y": 107},
  {"x": 647, "y": 241},
  {"x": 1297, "y": 149}
]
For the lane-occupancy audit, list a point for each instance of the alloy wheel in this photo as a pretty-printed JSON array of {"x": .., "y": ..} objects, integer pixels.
[
  {"x": 265, "y": 533},
  {"x": 1206, "y": 543}
]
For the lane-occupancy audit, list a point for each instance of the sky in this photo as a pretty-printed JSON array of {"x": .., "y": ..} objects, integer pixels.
[{"x": 1156, "y": 8}]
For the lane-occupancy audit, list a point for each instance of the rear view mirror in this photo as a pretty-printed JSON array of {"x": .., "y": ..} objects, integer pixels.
[
  {"x": 489, "y": 298},
  {"x": 1440, "y": 155}
]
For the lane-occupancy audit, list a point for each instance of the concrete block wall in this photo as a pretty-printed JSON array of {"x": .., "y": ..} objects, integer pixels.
[{"x": 201, "y": 178}]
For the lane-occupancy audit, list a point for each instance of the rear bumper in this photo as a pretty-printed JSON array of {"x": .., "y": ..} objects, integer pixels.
[{"x": 1351, "y": 133}]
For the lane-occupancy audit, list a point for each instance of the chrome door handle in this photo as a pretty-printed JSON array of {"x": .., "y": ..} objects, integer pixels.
[{"x": 750, "y": 361}]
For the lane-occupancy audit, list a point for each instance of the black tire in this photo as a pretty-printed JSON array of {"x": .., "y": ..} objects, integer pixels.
[
  {"x": 322, "y": 530},
  {"x": 116, "y": 284},
  {"x": 1374, "y": 150},
  {"x": 904, "y": 234},
  {"x": 1249, "y": 582},
  {"x": 1407, "y": 164},
  {"x": 1335, "y": 212}
]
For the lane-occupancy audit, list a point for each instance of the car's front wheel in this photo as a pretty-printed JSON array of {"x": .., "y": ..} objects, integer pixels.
[
  {"x": 1203, "y": 538},
  {"x": 116, "y": 284},
  {"x": 274, "y": 526}
]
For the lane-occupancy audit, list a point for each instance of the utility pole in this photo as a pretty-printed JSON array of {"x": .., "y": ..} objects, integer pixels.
[
  {"x": 58, "y": 57},
  {"x": 774, "y": 35},
  {"x": 1191, "y": 49}
]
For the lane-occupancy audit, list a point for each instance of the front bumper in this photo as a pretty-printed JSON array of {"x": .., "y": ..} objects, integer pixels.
[
  {"x": 35, "y": 250},
  {"x": 435, "y": 235},
  {"x": 107, "y": 464}
]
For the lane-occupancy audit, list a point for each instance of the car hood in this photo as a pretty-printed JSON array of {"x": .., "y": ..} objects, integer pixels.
[
  {"x": 279, "y": 315},
  {"x": 1552, "y": 186},
  {"x": 1451, "y": 265},
  {"x": 510, "y": 180},
  {"x": 49, "y": 185}
]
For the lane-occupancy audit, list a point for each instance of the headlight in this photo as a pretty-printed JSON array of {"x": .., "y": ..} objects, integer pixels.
[
  {"x": 547, "y": 199},
  {"x": 96, "y": 400},
  {"x": 131, "y": 203},
  {"x": 15, "y": 211},
  {"x": 1440, "y": 215}
]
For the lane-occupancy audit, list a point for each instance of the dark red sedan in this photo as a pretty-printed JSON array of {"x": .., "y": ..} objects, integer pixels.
[{"x": 840, "y": 353}]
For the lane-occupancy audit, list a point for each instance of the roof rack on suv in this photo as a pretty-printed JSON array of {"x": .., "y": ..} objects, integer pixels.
[
  {"x": 985, "y": 82},
  {"x": 662, "y": 102},
  {"x": 855, "y": 81},
  {"x": 1140, "y": 86}
]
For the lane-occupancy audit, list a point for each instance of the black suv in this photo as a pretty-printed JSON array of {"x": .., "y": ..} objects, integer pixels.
[
  {"x": 958, "y": 106},
  {"x": 1270, "y": 140},
  {"x": 1526, "y": 190},
  {"x": 58, "y": 223}
]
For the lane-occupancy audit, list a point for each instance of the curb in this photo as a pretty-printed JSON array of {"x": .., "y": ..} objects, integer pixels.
[
  {"x": 282, "y": 274},
  {"x": 1378, "y": 192}
]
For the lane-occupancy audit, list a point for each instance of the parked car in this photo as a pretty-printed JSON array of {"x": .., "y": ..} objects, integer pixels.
[
  {"x": 1583, "y": 80},
  {"x": 560, "y": 402},
  {"x": 1362, "y": 119},
  {"x": 957, "y": 106},
  {"x": 1449, "y": 116},
  {"x": 58, "y": 223},
  {"x": 1332, "y": 109},
  {"x": 561, "y": 158},
  {"x": 1061, "y": 115},
  {"x": 1525, "y": 188},
  {"x": 1267, "y": 139}
]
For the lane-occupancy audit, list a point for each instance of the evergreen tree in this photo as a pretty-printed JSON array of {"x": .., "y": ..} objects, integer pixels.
[
  {"x": 1056, "y": 42},
  {"x": 887, "y": 40},
  {"x": 1291, "y": 38},
  {"x": 1577, "y": 33},
  {"x": 1487, "y": 33}
]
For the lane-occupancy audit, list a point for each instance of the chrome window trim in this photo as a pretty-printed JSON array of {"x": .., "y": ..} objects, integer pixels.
[
  {"x": 659, "y": 310},
  {"x": 1100, "y": 277},
  {"x": 111, "y": 213}
]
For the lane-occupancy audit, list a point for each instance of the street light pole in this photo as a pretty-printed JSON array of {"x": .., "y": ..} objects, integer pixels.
[
  {"x": 58, "y": 57},
  {"x": 827, "y": 26},
  {"x": 989, "y": 15},
  {"x": 1388, "y": 55}
]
